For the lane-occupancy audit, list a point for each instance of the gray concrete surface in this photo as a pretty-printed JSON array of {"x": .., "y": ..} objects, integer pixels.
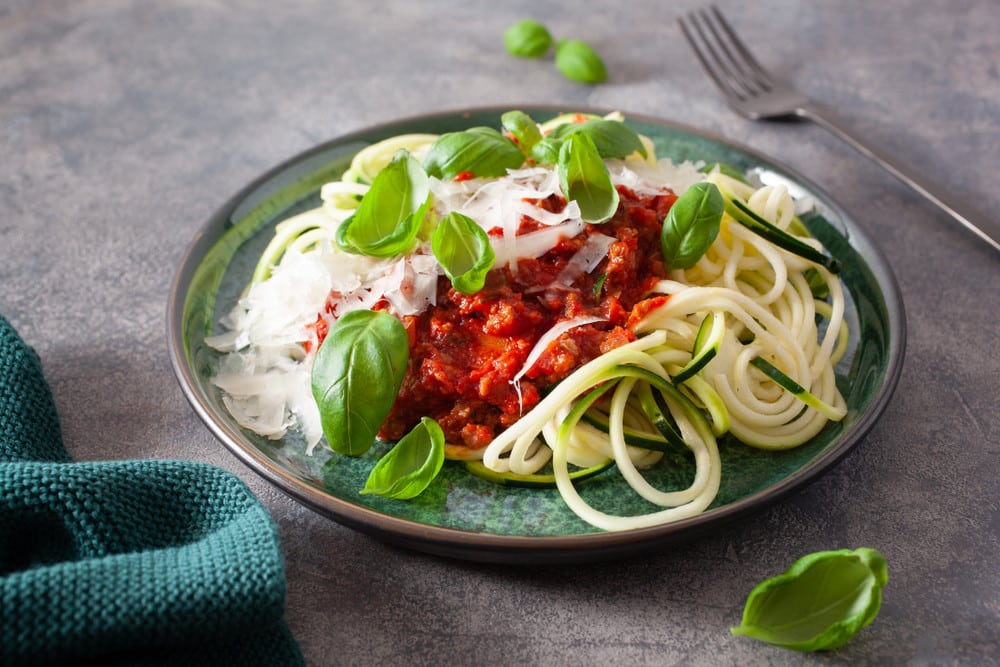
[{"x": 123, "y": 125}]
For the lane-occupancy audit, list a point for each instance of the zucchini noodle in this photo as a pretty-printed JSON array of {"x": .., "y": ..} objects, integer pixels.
[
  {"x": 761, "y": 294},
  {"x": 743, "y": 342}
]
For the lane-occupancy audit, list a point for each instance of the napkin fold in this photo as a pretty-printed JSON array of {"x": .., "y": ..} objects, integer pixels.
[{"x": 143, "y": 562}]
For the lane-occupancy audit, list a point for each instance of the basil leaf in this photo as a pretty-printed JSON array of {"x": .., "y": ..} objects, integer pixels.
[
  {"x": 480, "y": 151},
  {"x": 356, "y": 376},
  {"x": 527, "y": 38},
  {"x": 691, "y": 225},
  {"x": 390, "y": 213},
  {"x": 585, "y": 179},
  {"x": 463, "y": 250},
  {"x": 579, "y": 62},
  {"x": 612, "y": 138},
  {"x": 546, "y": 151},
  {"x": 819, "y": 603},
  {"x": 409, "y": 467},
  {"x": 523, "y": 128}
]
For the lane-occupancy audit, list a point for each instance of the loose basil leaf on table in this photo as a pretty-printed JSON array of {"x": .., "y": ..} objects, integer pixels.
[
  {"x": 411, "y": 465},
  {"x": 390, "y": 214},
  {"x": 480, "y": 151},
  {"x": 356, "y": 376},
  {"x": 463, "y": 250},
  {"x": 819, "y": 603},
  {"x": 522, "y": 128},
  {"x": 527, "y": 38},
  {"x": 585, "y": 179},
  {"x": 579, "y": 62},
  {"x": 691, "y": 225}
]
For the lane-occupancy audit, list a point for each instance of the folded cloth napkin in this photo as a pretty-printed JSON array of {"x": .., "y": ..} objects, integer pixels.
[{"x": 126, "y": 562}]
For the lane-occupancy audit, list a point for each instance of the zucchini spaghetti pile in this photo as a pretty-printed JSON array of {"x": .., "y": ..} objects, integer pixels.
[{"x": 551, "y": 301}]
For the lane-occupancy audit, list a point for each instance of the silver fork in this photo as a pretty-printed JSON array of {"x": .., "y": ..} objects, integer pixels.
[{"x": 754, "y": 93}]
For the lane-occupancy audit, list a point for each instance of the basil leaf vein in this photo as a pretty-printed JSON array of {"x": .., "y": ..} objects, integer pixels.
[{"x": 356, "y": 376}]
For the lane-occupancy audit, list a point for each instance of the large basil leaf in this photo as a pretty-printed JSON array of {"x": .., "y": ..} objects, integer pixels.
[
  {"x": 356, "y": 376},
  {"x": 390, "y": 213},
  {"x": 585, "y": 179},
  {"x": 480, "y": 151},
  {"x": 409, "y": 467},
  {"x": 463, "y": 250},
  {"x": 692, "y": 225},
  {"x": 819, "y": 603}
]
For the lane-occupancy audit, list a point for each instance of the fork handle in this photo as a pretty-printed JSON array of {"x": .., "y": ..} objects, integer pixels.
[{"x": 978, "y": 224}]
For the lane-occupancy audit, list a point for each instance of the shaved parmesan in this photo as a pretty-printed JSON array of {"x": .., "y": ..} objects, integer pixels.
[
  {"x": 586, "y": 259},
  {"x": 535, "y": 244},
  {"x": 644, "y": 178},
  {"x": 502, "y": 203}
]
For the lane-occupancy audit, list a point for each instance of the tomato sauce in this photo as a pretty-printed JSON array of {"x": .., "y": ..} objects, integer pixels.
[{"x": 466, "y": 350}]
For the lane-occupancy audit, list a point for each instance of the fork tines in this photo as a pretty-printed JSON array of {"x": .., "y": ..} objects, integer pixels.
[{"x": 723, "y": 54}]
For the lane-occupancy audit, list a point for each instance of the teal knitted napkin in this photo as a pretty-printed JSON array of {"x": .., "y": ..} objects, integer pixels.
[{"x": 126, "y": 562}]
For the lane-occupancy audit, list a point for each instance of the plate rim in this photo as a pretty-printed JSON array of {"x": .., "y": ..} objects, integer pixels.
[{"x": 524, "y": 549}]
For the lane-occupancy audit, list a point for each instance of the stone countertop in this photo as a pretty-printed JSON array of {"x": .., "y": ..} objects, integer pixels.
[{"x": 125, "y": 125}]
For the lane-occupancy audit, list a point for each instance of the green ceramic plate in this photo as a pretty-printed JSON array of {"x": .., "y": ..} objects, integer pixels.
[{"x": 464, "y": 516}]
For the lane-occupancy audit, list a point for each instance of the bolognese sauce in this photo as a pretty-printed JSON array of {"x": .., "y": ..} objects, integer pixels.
[{"x": 467, "y": 350}]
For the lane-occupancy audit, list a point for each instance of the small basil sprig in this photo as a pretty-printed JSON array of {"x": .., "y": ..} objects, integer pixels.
[
  {"x": 463, "y": 250},
  {"x": 356, "y": 376},
  {"x": 527, "y": 38},
  {"x": 480, "y": 151},
  {"x": 579, "y": 62},
  {"x": 391, "y": 212},
  {"x": 613, "y": 139},
  {"x": 411, "y": 465},
  {"x": 692, "y": 225},
  {"x": 585, "y": 179},
  {"x": 819, "y": 603}
]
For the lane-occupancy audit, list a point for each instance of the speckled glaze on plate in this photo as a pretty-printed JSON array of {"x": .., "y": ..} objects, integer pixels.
[{"x": 461, "y": 515}]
